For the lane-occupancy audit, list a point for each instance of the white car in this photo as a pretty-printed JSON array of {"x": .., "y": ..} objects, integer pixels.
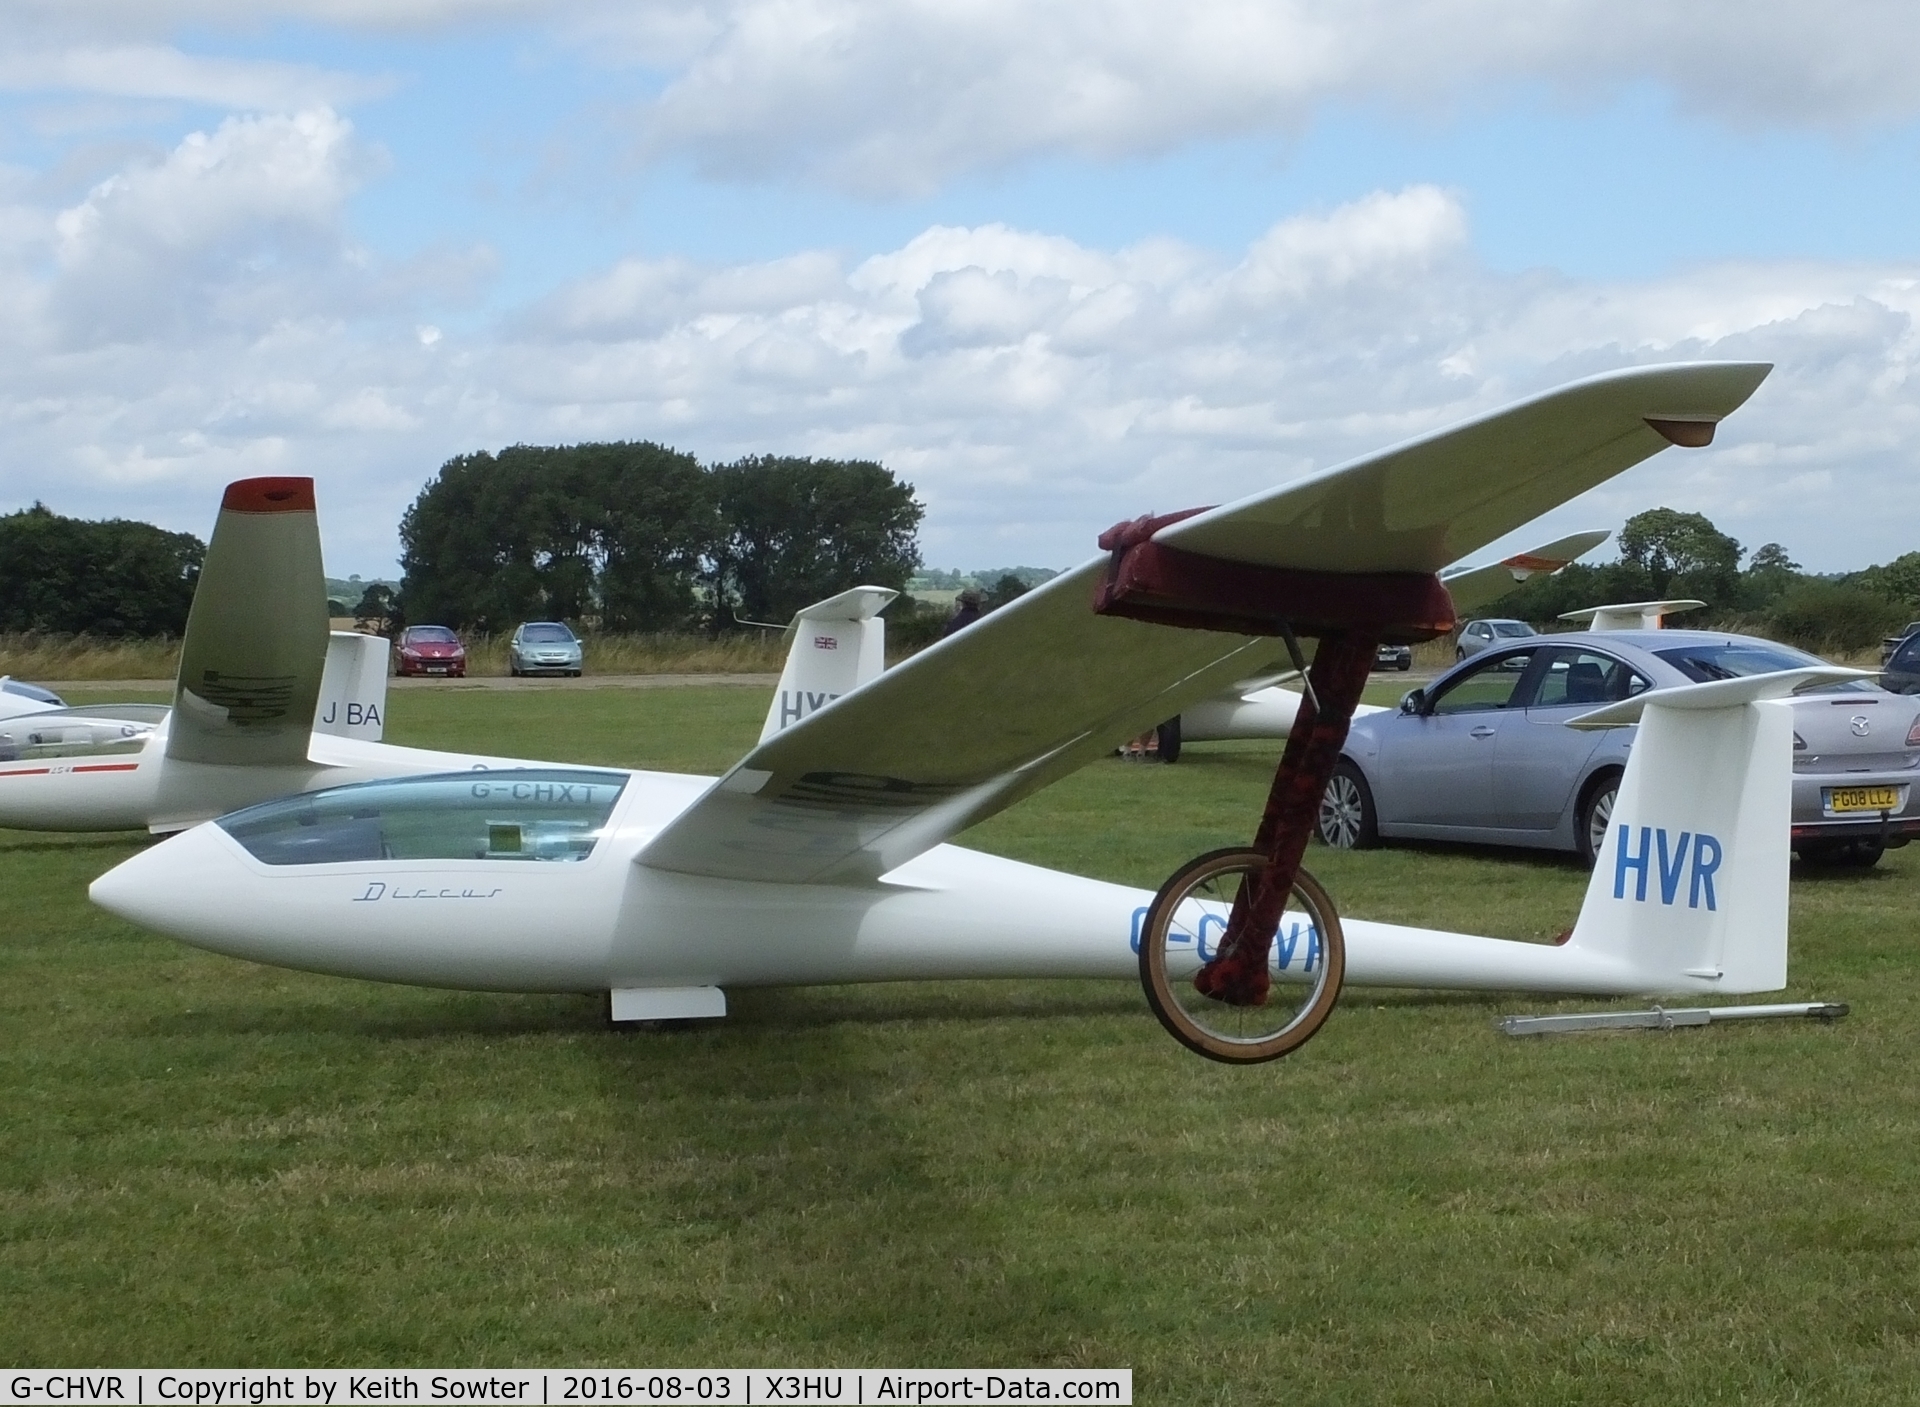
[{"x": 544, "y": 647}]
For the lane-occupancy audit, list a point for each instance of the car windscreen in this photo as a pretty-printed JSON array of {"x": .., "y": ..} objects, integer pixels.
[
  {"x": 1906, "y": 659},
  {"x": 1511, "y": 629},
  {"x": 1736, "y": 659},
  {"x": 554, "y": 814},
  {"x": 546, "y": 635},
  {"x": 431, "y": 635}
]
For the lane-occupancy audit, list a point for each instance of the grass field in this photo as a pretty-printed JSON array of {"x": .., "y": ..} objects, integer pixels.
[{"x": 204, "y": 1162}]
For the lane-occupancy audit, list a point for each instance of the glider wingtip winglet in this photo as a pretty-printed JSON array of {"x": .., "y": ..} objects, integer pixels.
[{"x": 268, "y": 495}]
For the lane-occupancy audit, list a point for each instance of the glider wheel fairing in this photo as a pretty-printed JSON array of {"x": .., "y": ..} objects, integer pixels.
[{"x": 1307, "y": 956}]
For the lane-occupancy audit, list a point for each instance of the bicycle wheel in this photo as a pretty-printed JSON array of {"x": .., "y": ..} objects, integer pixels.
[{"x": 1185, "y": 923}]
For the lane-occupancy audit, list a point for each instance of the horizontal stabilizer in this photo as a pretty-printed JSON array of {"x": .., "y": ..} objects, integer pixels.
[
  {"x": 1720, "y": 693},
  {"x": 1631, "y": 615}
]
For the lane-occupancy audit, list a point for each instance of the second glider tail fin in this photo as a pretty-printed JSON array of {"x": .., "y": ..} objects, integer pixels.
[
  {"x": 1690, "y": 889},
  {"x": 353, "y": 687},
  {"x": 256, "y": 639},
  {"x": 838, "y": 644}
]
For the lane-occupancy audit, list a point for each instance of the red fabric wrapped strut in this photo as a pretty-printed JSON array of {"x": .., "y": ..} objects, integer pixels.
[{"x": 1352, "y": 613}]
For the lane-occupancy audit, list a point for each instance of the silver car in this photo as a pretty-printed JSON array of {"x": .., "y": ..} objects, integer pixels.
[
  {"x": 1478, "y": 635},
  {"x": 1482, "y": 755},
  {"x": 544, "y": 647}
]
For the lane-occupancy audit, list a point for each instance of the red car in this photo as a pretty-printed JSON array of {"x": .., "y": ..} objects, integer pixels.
[{"x": 430, "y": 649}]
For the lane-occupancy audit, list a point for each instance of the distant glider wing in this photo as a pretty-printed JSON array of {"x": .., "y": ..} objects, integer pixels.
[
  {"x": 1042, "y": 686},
  {"x": 256, "y": 640},
  {"x": 1474, "y": 587}
]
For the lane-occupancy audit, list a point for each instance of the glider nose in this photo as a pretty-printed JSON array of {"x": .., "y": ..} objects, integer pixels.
[{"x": 173, "y": 887}]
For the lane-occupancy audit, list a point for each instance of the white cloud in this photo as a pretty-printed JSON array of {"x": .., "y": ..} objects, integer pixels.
[
  {"x": 899, "y": 98},
  {"x": 204, "y": 314},
  {"x": 239, "y": 227},
  {"x": 161, "y": 71}
]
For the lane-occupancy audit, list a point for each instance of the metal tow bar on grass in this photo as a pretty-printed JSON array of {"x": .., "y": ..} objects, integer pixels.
[{"x": 1277, "y": 950}]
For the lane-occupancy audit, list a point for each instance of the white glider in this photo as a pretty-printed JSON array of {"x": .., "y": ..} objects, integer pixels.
[
  {"x": 268, "y": 700},
  {"x": 821, "y": 856}
]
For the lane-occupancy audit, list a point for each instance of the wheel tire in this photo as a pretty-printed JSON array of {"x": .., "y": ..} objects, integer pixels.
[
  {"x": 1167, "y": 739},
  {"x": 1406, "y": 667},
  {"x": 1346, "y": 819},
  {"x": 1239, "y": 1035},
  {"x": 1596, "y": 813},
  {"x": 1459, "y": 653},
  {"x": 1841, "y": 854}
]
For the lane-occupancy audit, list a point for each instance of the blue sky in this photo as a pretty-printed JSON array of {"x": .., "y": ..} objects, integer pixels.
[{"x": 352, "y": 241}]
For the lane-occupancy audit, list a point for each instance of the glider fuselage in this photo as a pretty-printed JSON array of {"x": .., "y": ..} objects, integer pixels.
[{"x": 602, "y": 922}]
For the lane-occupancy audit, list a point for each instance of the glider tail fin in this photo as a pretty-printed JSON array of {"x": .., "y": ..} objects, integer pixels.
[
  {"x": 1690, "y": 889},
  {"x": 256, "y": 639},
  {"x": 838, "y": 644},
  {"x": 353, "y": 688}
]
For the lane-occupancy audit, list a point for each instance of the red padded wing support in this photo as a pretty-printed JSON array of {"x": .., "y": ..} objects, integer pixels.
[
  {"x": 1170, "y": 586},
  {"x": 1352, "y": 613}
]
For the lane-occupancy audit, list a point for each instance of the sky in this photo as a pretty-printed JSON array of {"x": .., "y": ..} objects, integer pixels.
[{"x": 1054, "y": 264}]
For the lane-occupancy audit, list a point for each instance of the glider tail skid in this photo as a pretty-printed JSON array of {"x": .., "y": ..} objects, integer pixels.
[
  {"x": 256, "y": 639},
  {"x": 838, "y": 644},
  {"x": 1690, "y": 890},
  {"x": 353, "y": 687}
]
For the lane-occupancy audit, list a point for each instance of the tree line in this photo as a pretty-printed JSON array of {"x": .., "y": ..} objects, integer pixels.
[
  {"x": 113, "y": 577},
  {"x": 638, "y": 537},
  {"x": 1669, "y": 555}
]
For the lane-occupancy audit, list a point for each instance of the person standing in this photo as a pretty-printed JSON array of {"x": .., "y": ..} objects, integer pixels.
[{"x": 965, "y": 613}]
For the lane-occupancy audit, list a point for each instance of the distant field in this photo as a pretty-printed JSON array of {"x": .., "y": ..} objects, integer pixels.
[{"x": 203, "y": 1161}]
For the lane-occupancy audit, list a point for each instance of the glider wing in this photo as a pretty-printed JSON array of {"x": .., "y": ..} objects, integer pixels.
[{"x": 1043, "y": 686}]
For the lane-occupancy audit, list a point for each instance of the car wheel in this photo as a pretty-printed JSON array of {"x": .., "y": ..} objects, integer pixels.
[
  {"x": 1459, "y": 653},
  {"x": 1833, "y": 854},
  {"x": 1347, "y": 820},
  {"x": 1406, "y": 665},
  {"x": 1596, "y": 814}
]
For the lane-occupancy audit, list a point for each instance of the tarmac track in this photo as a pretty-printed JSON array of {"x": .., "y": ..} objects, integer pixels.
[{"x": 586, "y": 681}]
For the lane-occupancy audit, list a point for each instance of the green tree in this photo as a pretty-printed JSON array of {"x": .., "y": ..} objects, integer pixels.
[
  {"x": 615, "y": 531},
  {"x": 113, "y": 577},
  {"x": 378, "y": 610},
  {"x": 1898, "y": 580},
  {"x": 1770, "y": 574},
  {"x": 1834, "y": 616},
  {"x": 1007, "y": 589},
  {"x": 1682, "y": 552},
  {"x": 793, "y": 531}
]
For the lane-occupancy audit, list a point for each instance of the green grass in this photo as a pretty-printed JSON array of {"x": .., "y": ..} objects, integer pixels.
[{"x": 203, "y": 1161}]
